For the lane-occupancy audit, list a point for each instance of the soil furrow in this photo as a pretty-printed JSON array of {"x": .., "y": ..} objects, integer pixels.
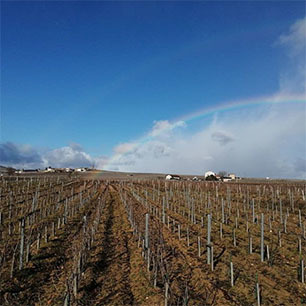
[{"x": 116, "y": 273}]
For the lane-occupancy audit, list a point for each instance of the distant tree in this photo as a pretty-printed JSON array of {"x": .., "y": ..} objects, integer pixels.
[
  {"x": 10, "y": 171},
  {"x": 222, "y": 173},
  {"x": 211, "y": 178}
]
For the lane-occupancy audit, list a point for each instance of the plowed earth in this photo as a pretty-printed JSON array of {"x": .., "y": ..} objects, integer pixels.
[{"x": 117, "y": 268}]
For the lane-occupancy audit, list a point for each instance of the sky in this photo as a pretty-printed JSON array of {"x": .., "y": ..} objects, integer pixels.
[{"x": 145, "y": 86}]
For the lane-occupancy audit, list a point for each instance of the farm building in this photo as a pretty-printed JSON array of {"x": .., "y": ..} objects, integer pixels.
[
  {"x": 49, "y": 169},
  {"x": 232, "y": 176},
  {"x": 209, "y": 173},
  {"x": 226, "y": 179},
  {"x": 80, "y": 170},
  {"x": 210, "y": 176},
  {"x": 173, "y": 177}
]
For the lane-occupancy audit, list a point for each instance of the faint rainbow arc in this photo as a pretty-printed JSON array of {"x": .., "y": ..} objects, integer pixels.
[{"x": 223, "y": 107}]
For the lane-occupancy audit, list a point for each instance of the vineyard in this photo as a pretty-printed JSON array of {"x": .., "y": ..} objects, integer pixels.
[{"x": 93, "y": 241}]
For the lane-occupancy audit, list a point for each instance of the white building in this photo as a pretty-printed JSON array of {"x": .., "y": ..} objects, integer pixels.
[
  {"x": 173, "y": 177},
  {"x": 232, "y": 176},
  {"x": 49, "y": 169},
  {"x": 226, "y": 179},
  {"x": 209, "y": 173},
  {"x": 80, "y": 170}
]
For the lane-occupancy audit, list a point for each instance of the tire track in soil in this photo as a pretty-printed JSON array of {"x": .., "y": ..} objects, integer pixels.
[{"x": 110, "y": 284}]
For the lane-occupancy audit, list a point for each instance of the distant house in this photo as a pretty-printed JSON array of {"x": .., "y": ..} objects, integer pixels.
[
  {"x": 209, "y": 173},
  {"x": 50, "y": 170},
  {"x": 232, "y": 176},
  {"x": 226, "y": 179},
  {"x": 173, "y": 177},
  {"x": 80, "y": 170},
  {"x": 210, "y": 176}
]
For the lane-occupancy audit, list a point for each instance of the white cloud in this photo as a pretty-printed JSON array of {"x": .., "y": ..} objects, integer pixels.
[
  {"x": 295, "y": 40},
  {"x": 27, "y": 157},
  {"x": 293, "y": 77},
  {"x": 259, "y": 144},
  {"x": 124, "y": 147},
  {"x": 222, "y": 137},
  {"x": 19, "y": 155},
  {"x": 71, "y": 156},
  {"x": 163, "y": 127}
]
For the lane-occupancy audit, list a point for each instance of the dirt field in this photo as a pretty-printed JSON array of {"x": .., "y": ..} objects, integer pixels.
[{"x": 119, "y": 238}]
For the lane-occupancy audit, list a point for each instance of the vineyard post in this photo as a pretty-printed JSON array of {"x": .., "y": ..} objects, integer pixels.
[
  {"x": 279, "y": 239},
  {"x": 21, "y": 245},
  {"x": 257, "y": 291},
  {"x": 147, "y": 231},
  {"x": 28, "y": 251},
  {"x": 281, "y": 211},
  {"x": 199, "y": 246},
  {"x": 234, "y": 238},
  {"x": 53, "y": 229},
  {"x": 262, "y": 238},
  {"x": 208, "y": 237},
  {"x": 67, "y": 299},
  {"x": 46, "y": 233},
  {"x": 300, "y": 219},
  {"x": 75, "y": 284},
  {"x": 253, "y": 210},
  {"x": 188, "y": 242},
  {"x": 250, "y": 244},
  {"x": 163, "y": 212},
  {"x": 166, "y": 292},
  {"x": 13, "y": 262},
  {"x": 231, "y": 271},
  {"x": 268, "y": 252},
  {"x": 300, "y": 245},
  {"x": 285, "y": 225},
  {"x": 222, "y": 210},
  {"x": 302, "y": 275},
  {"x": 38, "y": 241},
  {"x": 212, "y": 258}
]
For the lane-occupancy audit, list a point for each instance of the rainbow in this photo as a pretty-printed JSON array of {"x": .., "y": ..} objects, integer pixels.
[
  {"x": 202, "y": 113},
  {"x": 238, "y": 104}
]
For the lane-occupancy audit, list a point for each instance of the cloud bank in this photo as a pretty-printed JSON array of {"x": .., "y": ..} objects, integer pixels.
[
  {"x": 27, "y": 157},
  {"x": 270, "y": 143}
]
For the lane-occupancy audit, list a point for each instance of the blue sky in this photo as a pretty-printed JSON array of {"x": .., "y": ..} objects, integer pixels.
[{"x": 101, "y": 74}]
